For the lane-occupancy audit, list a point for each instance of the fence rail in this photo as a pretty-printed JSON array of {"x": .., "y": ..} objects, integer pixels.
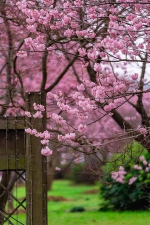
[{"x": 20, "y": 158}]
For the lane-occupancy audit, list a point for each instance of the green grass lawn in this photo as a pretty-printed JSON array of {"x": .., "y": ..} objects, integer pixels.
[
  {"x": 59, "y": 212},
  {"x": 66, "y": 196}
]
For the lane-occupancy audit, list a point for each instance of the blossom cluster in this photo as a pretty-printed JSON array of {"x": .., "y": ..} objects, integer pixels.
[
  {"x": 45, "y": 136},
  {"x": 39, "y": 109},
  {"x": 58, "y": 119},
  {"x": 142, "y": 130},
  {"x": 108, "y": 34},
  {"x": 63, "y": 20},
  {"x": 122, "y": 176},
  {"x": 119, "y": 176}
]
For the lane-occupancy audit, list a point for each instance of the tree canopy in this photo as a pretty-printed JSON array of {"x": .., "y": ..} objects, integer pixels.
[{"x": 92, "y": 60}]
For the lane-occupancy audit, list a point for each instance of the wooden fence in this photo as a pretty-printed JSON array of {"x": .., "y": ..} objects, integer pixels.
[{"x": 20, "y": 157}]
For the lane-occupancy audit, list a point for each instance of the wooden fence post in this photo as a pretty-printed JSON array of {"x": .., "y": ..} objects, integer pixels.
[{"x": 36, "y": 166}]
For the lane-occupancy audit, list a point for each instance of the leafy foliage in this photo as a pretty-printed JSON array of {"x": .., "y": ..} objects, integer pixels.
[
  {"x": 132, "y": 191},
  {"x": 77, "y": 209},
  {"x": 127, "y": 157}
]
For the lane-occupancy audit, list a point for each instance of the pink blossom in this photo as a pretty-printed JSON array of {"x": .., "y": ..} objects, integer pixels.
[
  {"x": 35, "y": 106},
  {"x": 114, "y": 175},
  {"x": 44, "y": 142},
  {"x": 119, "y": 176},
  {"x": 73, "y": 111},
  {"x": 82, "y": 128},
  {"x": 39, "y": 107},
  {"x": 30, "y": 20},
  {"x": 119, "y": 87},
  {"x": 79, "y": 33},
  {"x": 141, "y": 158},
  {"x": 68, "y": 33},
  {"x": 120, "y": 180},
  {"x": 113, "y": 18},
  {"x": 74, "y": 25},
  {"x": 38, "y": 114},
  {"x": 39, "y": 47},
  {"x": 28, "y": 130},
  {"x": 82, "y": 116},
  {"x": 118, "y": 102},
  {"x": 28, "y": 41},
  {"x": 66, "y": 20},
  {"x": 91, "y": 55},
  {"x": 31, "y": 28},
  {"x": 142, "y": 130},
  {"x": 134, "y": 76},
  {"x": 109, "y": 107},
  {"x": 136, "y": 167},
  {"x": 60, "y": 138},
  {"x": 22, "y": 54},
  {"x": 97, "y": 67},
  {"x": 46, "y": 151},
  {"x": 50, "y": 95},
  {"x": 57, "y": 168},
  {"x": 33, "y": 132},
  {"x": 145, "y": 162},
  {"x": 38, "y": 134},
  {"x": 70, "y": 136},
  {"x": 91, "y": 35},
  {"x": 62, "y": 106},
  {"x": 46, "y": 135},
  {"x": 82, "y": 51},
  {"x": 67, "y": 137},
  {"x": 63, "y": 162},
  {"x": 79, "y": 159},
  {"x": 121, "y": 169},
  {"x": 81, "y": 87},
  {"x": 28, "y": 114},
  {"x": 147, "y": 169},
  {"x": 132, "y": 180},
  {"x": 78, "y": 3},
  {"x": 58, "y": 118},
  {"x": 139, "y": 25},
  {"x": 35, "y": 12},
  {"x": 86, "y": 105},
  {"x": 21, "y": 5}
]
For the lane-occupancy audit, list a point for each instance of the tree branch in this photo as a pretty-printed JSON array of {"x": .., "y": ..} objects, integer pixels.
[{"x": 62, "y": 74}]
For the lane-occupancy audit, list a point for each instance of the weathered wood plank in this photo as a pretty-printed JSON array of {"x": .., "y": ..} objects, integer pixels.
[
  {"x": 36, "y": 177},
  {"x": 12, "y": 163},
  {"x": 13, "y": 142},
  {"x": 12, "y": 122}
]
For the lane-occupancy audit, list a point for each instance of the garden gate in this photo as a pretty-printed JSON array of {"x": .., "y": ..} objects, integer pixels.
[{"x": 20, "y": 158}]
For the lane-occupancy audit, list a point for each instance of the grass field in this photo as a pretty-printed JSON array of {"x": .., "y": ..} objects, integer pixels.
[{"x": 64, "y": 196}]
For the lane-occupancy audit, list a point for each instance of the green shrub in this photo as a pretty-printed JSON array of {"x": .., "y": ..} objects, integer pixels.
[
  {"x": 77, "y": 209},
  {"x": 127, "y": 157},
  {"x": 127, "y": 189}
]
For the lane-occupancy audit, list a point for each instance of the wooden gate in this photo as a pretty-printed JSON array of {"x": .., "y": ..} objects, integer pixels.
[{"x": 20, "y": 158}]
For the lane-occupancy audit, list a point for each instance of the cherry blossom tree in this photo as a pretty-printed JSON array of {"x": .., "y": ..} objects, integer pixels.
[{"x": 91, "y": 58}]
